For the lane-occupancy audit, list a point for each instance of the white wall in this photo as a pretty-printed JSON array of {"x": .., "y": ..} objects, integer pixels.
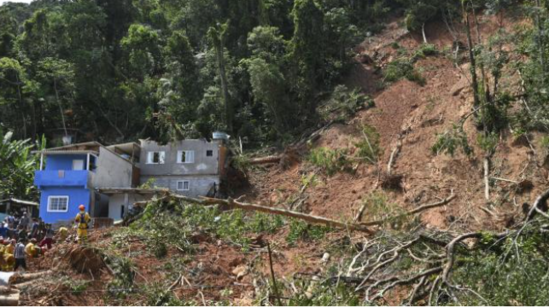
[
  {"x": 127, "y": 200},
  {"x": 199, "y": 185}
]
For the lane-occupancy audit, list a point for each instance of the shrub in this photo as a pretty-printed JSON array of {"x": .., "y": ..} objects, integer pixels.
[
  {"x": 330, "y": 161},
  {"x": 402, "y": 68},
  {"x": 345, "y": 102},
  {"x": 368, "y": 148},
  {"x": 424, "y": 51},
  {"x": 300, "y": 230},
  {"x": 451, "y": 141}
]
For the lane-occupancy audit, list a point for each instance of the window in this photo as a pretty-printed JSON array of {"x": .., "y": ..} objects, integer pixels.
[
  {"x": 78, "y": 164},
  {"x": 157, "y": 157},
  {"x": 58, "y": 203},
  {"x": 183, "y": 185},
  {"x": 209, "y": 153},
  {"x": 185, "y": 157}
]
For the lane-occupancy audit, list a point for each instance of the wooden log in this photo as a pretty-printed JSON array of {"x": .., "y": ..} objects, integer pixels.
[
  {"x": 6, "y": 290},
  {"x": 18, "y": 278},
  {"x": 9, "y": 300},
  {"x": 265, "y": 160},
  {"x": 276, "y": 211}
]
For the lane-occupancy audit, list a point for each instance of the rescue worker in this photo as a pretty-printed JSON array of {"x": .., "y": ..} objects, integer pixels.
[
  {"x": 62, "y": 234},
  {"x": 9, "y": 256},
  {"x": 31, "y": 249},
  {"x": 82, "y": 219}
]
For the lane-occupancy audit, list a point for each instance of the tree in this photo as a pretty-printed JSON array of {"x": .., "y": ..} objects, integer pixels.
[
  {"x": 17, "y": 166},
  {"x": 217, "y": 36},
  {"x": 306, "y": 50},
  {"x": 58, "y": 76},
  {"x": 265, "y": 68}
]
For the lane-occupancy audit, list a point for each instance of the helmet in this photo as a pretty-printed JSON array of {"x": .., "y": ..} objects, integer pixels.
[{"x": 82, "y": 207}]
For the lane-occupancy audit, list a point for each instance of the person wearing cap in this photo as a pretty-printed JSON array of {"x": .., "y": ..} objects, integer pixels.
[
  {"x": 82, "y": 219},
  {"x": 31, "y": 249}
]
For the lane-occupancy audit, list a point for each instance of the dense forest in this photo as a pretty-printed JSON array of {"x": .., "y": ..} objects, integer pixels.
[{"x": 119, "y": 70}]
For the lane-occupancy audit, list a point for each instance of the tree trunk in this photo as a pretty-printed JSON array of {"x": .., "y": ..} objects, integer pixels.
[
  {"x": 60, "y": 107},
  {"x": 471, "y": 47},
  {"x": 224, "y": 84}
]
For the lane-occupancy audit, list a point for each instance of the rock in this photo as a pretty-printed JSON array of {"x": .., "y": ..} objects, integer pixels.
[
  {"x": 325, "y": 257},
  {"x": 241, "y": 271},
  {"x": 459, "y": 86}
]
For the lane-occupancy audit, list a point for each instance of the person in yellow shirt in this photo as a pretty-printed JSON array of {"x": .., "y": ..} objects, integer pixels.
[
  {"x": 8, "y": 256},
  {"x": 10, "y": 248},
  {"x": 31, "y": 249},
  {"x": 62, "y": 234},
  {"x": 82, "y": 219}
]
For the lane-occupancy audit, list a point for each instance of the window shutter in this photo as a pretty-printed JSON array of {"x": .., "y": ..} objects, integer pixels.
[
  {"x": 190, "y": 157},
  {"x": 150, "y": 156},
  {"x": 179, "y": 157},
  {"x": 161, "y": 157}
]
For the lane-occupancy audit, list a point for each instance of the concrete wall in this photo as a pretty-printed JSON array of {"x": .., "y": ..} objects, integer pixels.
[
  {"x": 117, "y": 201},
  {"x": 203, "y": 165},
  {"x": 112, "y": 170},
  {"x": 76, "y": 196},
  {"x": 199, "y": 185}
]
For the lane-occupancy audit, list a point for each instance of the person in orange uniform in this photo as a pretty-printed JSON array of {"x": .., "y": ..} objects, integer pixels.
[{"x": 82, "y": 220}]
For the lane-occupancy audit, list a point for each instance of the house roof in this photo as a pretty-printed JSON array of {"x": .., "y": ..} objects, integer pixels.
[
  {"x": 130, "y": 148},
  {"x": 125, "y": 190},
  {"x": 52, "y": 152},
  {"x": 24, "y": 202},
  {"x": 91, "y": 147}
]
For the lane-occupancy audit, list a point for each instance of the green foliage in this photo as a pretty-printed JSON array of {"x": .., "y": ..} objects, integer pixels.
[
  {"x": 344, "y": 103},
  {"x": 17, "y": 166},
  {"x": 323, "y": 294},
  {"x": 123, "y": 282},
  {"x": 369, "y": 147},
  {"x": 300, "y": 230},
  {"x": 488, "y": 142},
  {"x": 173, "y": 224},
  {"x": 513, "y": 274},
  {"x": 402, "y": 68},
  {"x": 379, "y": 207},
  {"x": 424, "y": 51},
  {"x": 451, "y": 141},
  {"x": 330, "y": 161}
]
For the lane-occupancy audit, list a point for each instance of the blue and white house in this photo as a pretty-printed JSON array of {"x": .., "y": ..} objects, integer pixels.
[{"x": 71, "y": 175}]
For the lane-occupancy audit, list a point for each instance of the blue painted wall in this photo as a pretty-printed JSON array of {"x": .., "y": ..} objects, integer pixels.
[
  {"x": 62, "y": 162},
  {"x": 77, "y": 196}
]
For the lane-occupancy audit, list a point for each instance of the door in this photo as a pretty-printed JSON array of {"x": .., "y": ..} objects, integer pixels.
[{"x": 78, "y": 164}]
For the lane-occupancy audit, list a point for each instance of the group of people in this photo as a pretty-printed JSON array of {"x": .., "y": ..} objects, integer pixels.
[{"x": 22, "y": 238}]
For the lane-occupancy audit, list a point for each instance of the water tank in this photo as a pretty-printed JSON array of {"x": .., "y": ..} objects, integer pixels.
[{"x": 220, "y": 136}]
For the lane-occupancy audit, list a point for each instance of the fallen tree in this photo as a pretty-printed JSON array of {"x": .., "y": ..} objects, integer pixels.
[
  {"x": 313, "y": 219},
  {"x": 444, "y": 268}
]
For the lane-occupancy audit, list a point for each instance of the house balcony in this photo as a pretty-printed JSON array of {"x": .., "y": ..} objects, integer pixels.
[{"x": 73, "y": 178}]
